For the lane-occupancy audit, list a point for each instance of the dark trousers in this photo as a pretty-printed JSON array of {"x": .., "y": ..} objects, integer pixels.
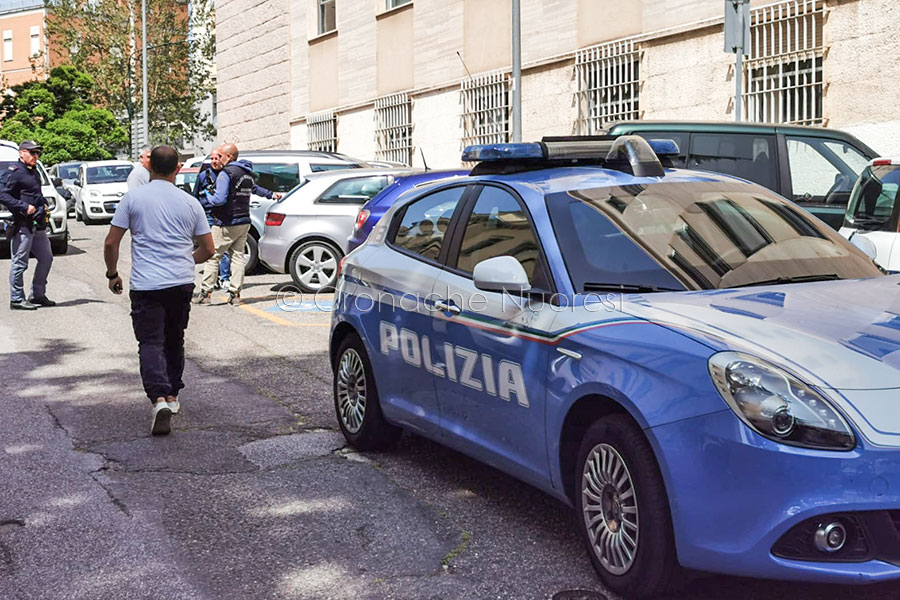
[{"x": 159, "y": 318}]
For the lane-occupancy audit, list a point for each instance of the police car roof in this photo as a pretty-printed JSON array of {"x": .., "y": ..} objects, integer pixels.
[{"x": 563, "y": 179}]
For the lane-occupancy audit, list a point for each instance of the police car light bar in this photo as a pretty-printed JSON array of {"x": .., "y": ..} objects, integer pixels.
[{"x": 630, "y": 152}]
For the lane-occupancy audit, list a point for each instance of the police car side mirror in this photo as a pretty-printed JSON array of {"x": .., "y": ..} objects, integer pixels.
[{"x": 501, "y": 274}]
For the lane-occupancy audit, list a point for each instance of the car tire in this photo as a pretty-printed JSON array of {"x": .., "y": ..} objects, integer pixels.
[
  {"x": 251, "y": 252},
  {"x": 636, "y": 558},
  {"x": 356, "y": 399},
  {"x": 78, "y": 214},
  {"x": 60, "y": 246},
  {"x": 313, "y": 266}
]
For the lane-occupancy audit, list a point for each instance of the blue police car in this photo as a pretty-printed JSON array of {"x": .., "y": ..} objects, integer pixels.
[{"x": 706, "y": 373}]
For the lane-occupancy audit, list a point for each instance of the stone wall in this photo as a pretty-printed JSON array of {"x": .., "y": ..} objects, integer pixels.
[{"x": 253, "y": 73}]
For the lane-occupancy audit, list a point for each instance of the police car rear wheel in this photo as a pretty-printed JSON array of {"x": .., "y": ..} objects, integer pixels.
[
  {"x": 622, "y": 510},
  {"x": 356, "y": 399}
]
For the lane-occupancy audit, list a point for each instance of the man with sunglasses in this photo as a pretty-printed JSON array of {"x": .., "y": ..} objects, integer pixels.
[{"x": 20, "y": 192}]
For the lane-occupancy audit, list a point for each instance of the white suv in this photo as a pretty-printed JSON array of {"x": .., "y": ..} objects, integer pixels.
[
  {"x": 873, "y": 212},
  {"x": 59, "y": 225},
  {"x": 99, "y": 187}
]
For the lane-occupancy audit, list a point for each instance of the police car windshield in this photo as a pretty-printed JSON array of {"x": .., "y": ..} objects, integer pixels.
[
  {"x": 696, "y": 235},
  {"x": 4, "y": 165},
  {"x": 108, "y": 173}
]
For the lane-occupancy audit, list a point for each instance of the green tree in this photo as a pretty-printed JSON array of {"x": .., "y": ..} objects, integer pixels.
[
  {"x": 58, "y": 114},
  {"x": 103, "y": 38}
]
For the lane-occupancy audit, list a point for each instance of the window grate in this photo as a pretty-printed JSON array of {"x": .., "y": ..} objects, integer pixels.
[
  {"x": 321, "y": 132},
  {"x": 393, "y": 129},
  {"x": 783, "y": 80},
  {"x": 609, "y": 82},
  {"x": 485, "y": 102}
]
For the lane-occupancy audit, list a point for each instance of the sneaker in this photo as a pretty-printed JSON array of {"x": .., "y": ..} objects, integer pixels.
[
  {"x": 22, "y": 305},
  {"x": 174, "y": 406},
  {"x": 162, "y": 419},
  {"x": 234, "y": 298},
  {"x": 203, "y": 298},
  {"x": 42, "y": 301}
]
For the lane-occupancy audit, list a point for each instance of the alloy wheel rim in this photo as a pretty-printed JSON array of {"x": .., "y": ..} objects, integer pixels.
[
  {"x": 609, "y": 507},
  {"x": 316, "y": 267},
  {"x": 351, "y": 390}
]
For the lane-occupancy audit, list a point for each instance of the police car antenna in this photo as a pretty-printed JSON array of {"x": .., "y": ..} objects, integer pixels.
[{"x": 422, "y": 152}]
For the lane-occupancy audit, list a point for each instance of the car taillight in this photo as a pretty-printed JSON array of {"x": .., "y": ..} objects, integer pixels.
[
  {"x": 340, "y": 267},
  {"x": 882, "y": 162},
  {"x": 274, "y": 219},
  {"x": 361, "y": 219}
]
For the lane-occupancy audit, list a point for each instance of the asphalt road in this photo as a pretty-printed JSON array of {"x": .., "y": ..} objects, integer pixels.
[{"x": 254, "y": 494}]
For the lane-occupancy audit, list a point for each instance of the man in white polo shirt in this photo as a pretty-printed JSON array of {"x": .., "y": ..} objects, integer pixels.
[{"x": 164, "y": 222}]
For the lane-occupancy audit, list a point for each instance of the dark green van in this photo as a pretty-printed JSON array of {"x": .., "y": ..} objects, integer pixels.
[{"x": 813, "y": 166}]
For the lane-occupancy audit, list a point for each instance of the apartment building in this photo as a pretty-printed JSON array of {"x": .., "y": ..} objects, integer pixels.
[
  {"x": 23, "y": 55},
  {"x": 402, "y": 79}
]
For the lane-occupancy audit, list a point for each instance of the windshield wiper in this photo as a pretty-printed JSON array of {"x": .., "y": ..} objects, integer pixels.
[
  {"x": 797, "y": 279},
  {"x": 627, "y": 288}
]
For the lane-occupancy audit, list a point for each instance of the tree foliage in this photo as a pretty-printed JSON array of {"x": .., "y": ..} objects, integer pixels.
[
  {"x": 103, "y": 38},
  {"x": 57, "y": 113}
]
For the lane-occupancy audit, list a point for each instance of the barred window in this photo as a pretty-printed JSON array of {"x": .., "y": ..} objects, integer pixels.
[
  {"x": 327, "y": 20},
  {"x": 393, "y": 129},
  {"x": 485, "y": 102},
  {"x": 609, "y": 82},
  {"x": 783, "y": 74},
  {"x": 321, "y": 132}
]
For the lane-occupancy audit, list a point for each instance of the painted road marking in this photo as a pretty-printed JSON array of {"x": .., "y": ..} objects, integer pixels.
[
  {"x": 320, "y": 306},
  {"x": 279, "y": 320}
]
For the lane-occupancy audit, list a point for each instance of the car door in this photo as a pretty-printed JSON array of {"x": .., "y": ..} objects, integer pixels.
[
  {"x": 395, "y": 312},
  {"x": 488, "y": 350},
  {"x": 822, "y": 173},
  {"x": 750, "y": 156}
]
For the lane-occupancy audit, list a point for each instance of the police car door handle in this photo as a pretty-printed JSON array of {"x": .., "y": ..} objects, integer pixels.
[{"x": 444, "y": 306}]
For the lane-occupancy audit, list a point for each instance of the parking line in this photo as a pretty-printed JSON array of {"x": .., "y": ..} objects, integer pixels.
[{"x": 279, "y": 320}]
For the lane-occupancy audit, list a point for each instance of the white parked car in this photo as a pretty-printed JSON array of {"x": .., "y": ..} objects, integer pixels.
[
  {"x": 307, "y": 231},
  {"x": 99, "y": 187},
  {"x": 59, "y": 224},
  {"x": 873, "y": 212}
]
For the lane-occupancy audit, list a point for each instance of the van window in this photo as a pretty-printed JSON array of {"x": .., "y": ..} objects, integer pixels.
[
  {"x": 823, "y": 171},
  {"x": 321, "y": 168},
  {"x": 277, "y": 177},
  {"x": 748, "y": 156}
]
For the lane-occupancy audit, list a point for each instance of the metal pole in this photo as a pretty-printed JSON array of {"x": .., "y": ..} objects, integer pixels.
[
  {"x": 739, "y": 62},
  {"x": 516, "y": 72},
  {"x": 144, "y": 79}
]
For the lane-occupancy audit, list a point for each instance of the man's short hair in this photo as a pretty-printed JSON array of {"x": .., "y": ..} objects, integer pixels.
[
  {"x": 145, "y": 150},
  {"x": 163, "y": 160}
]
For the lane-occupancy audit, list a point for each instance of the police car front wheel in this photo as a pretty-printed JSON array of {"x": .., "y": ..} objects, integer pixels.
[
  {"x": 356, "y": 399},
  {"x": 622, "y": 511}
]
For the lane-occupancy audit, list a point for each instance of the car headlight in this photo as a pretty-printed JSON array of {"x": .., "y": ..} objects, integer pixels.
[{"x": 777, "y": 405}]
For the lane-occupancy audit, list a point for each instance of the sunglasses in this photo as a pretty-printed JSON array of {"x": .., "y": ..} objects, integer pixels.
[{"x": 34, "y": 152}]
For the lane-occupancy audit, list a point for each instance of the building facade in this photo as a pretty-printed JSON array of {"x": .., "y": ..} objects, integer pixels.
[
  {"x": 401, "y": 80},
  {"x": 23, "y": 55}
]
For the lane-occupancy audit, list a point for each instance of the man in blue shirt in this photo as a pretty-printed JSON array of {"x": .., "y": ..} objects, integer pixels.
[
  {"x": 164, "y": 222},
  {"x": 20, "y": 191}
]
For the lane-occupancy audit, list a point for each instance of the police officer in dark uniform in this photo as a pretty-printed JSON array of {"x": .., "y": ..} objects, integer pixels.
[{"x": 20, "y": 192}]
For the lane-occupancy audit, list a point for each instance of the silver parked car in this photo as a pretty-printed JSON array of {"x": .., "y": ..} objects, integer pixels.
[{"x": 306, "y": 231}]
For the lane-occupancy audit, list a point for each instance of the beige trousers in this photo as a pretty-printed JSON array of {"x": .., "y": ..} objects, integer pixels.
[{"x": 229, "y": 239}]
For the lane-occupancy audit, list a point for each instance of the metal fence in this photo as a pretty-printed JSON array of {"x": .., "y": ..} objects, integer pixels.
[
  {"x": 393, "y": 129},
  {"x": 485, "y": 109},
  {"x": 783, "y": 73},
  {"x": 609, "y": 83},
  {"x": 321, "y": 132}
]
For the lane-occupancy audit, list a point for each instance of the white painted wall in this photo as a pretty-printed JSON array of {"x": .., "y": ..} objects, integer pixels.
[
  {"x": 437, "y": 129},
  {"x": 356, "y": 133}
]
